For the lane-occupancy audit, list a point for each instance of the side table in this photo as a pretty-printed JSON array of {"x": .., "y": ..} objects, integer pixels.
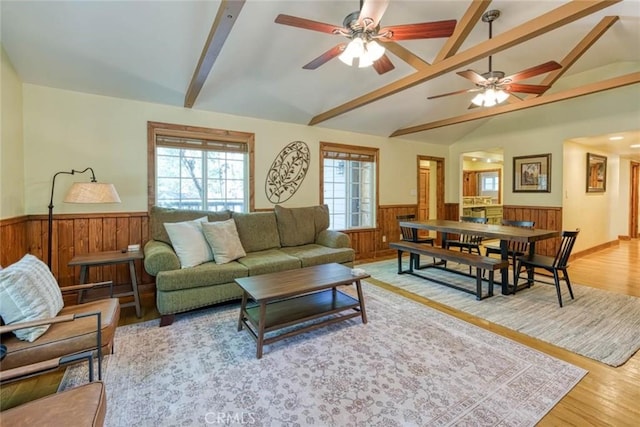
[{"x": 97, "y": 259}]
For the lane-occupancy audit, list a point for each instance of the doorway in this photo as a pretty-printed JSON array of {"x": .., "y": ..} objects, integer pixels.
[{"x": 430, "y": 188}]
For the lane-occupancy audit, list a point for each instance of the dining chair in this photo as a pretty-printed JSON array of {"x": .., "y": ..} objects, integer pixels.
[
  {"x": 407, "y": 235},
  {"x": 467, "y": 242},
  {"x": 554, "y": 265},
  {"x": 514, "y": 249}
]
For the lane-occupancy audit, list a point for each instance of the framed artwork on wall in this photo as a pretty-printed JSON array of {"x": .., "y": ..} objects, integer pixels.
[
  {"x": 532, "y": 174},
  {"x": 596, "y": 173}
]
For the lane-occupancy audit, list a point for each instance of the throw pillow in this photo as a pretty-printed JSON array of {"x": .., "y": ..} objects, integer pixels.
[
  {"x": 224, "y": 240},
  {"x": 189, "y": 242},
  {"x": 29, "y": 291}
]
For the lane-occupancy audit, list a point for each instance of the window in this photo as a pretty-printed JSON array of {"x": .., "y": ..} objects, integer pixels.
[
  {"x": 489, "y": 184},
  {"x": 349, "y": 185},
  {"x": 200, "y": 168}
]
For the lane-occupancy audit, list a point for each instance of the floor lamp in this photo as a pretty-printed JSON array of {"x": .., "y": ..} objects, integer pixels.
[{"x": 81, "y": 192}]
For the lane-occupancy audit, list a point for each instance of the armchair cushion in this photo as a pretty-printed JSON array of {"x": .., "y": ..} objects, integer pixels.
[
  {"x": 29, "y": 291},
  {"x": 65, "y": 338},
  {"x": 84, "y": 405}
]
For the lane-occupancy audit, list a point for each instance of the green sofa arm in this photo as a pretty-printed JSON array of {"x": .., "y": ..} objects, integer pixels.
[
  {"x": 333, "y": 239},
  {"x": 159, "y": 256}
]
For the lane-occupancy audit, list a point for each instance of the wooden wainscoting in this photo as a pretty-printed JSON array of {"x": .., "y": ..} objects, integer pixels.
[
  {"x": 545, "y": 217},
  {"x": 75, "y": 234},
  {"x": 369, "y": 244},
  {"x": 13, "y": 239}
]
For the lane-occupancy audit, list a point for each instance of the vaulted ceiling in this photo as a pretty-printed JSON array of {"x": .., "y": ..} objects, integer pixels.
[{"x": 151, "y": 50}]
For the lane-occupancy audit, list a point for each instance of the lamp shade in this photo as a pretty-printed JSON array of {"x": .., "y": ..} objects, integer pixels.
[{"x": 92, "y": 192}]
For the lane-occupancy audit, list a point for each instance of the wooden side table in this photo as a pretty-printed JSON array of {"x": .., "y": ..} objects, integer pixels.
[{"x": 97, "y": 259}]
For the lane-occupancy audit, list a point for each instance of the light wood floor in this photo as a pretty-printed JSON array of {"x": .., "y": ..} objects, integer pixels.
[{"x": 607, "y": 396}]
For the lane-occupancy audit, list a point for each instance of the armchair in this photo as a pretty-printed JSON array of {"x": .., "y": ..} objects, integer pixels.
[{"x": 75, "y": 334}]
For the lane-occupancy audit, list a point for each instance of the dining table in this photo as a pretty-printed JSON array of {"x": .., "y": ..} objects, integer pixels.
[{"x": 504, "y": 233}]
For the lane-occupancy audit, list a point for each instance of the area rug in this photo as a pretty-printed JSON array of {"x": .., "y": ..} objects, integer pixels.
[
  {"x": 601, "y": 325},
  {"x": 410, "y": 365}
]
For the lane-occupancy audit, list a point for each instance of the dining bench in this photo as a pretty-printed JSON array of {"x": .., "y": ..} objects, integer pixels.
[{"x": 480, "y": 262}]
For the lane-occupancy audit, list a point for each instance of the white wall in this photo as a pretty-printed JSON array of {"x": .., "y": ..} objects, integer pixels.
[
  {"x": 67, "y": 130},
  {"x": 598, "y": 215},
  {"x": 12, "y": 203}
]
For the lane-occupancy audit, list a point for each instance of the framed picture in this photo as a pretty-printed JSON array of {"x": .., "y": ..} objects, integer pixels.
[
  {"x": 532, "y": 174},
  {"x": 596, "y": 173}
]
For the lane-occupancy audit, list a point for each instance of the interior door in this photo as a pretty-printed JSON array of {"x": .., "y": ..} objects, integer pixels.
[{"x": 423, "y": 194}]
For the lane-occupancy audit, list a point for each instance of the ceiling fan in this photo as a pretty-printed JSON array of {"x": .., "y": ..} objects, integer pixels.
[
  {"x": 493, "y": 86},
  {"x": 362, "y": 28}
]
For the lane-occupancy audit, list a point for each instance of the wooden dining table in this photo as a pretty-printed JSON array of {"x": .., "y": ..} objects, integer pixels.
[{"x": 504, "y": 233}]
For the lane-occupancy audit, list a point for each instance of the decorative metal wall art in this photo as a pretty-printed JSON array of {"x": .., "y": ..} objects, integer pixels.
[{"x": 287, "y": 172}]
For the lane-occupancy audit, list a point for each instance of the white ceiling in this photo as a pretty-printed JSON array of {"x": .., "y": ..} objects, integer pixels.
[{"x": 148, "y": 50}]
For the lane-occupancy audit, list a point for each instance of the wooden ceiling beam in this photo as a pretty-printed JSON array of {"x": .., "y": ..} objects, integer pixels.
[
  {"x": 588, "y": 89},
  {"x": 453, "y": 43},
  {"x": 579, "y": 50},
  {"x": 407, "y": 56},
  {"x": 563, "y": 15},
  {"x": 474, "y": 12},
  {"x": 225, "y": 19}
]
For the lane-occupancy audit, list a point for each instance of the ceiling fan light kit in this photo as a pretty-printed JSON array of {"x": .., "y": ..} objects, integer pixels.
[
  {"x": 490, "y": 97},
  {"x": 367, "y": 52}
]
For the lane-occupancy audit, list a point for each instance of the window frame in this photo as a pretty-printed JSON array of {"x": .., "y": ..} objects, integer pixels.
[
  {"x": 155, "y": 129},
  {"x": 353, "y": 150}
]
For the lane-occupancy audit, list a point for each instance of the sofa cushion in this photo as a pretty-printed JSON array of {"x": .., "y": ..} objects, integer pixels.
[
  {"x": 203, "y": 275},
  {"x": 223, "y": 238},
  {"x": 269, "y": 261},
  {"x": 189, "y": 242},
  {"x": 29, "y": 291},
  {"x": 313, "y": 254},
  {"x": 300, "y": 226},
  {"x": 258, "y": 231},
  {"x": 159, "y": 216}
]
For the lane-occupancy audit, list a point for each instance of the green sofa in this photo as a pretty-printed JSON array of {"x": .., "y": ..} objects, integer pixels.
[{"x": 282, "y": 239}]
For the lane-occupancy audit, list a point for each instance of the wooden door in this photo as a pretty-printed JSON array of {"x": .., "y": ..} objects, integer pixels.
[
  {"x": 469, "y": 183},
  {"x": 423, "y": 194}
]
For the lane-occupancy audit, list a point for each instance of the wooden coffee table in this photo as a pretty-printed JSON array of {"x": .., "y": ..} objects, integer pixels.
[{"x": 291, "y": 297}]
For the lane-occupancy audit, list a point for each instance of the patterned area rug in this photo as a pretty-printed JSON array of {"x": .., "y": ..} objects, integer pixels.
[
  {"x": 409, "y": 366},
  {"x": 601, "y": 325}
]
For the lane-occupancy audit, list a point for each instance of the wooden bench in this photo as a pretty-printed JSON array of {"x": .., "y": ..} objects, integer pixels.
[{"x": 481, "y": 263}]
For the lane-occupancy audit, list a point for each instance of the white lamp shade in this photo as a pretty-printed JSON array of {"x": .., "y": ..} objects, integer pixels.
[
  {"x": 374, "y": 50},
  {"x": 92, "y": 192},
  {"x": 478, "y": 99},
  {"x": 354, "y": 49}
]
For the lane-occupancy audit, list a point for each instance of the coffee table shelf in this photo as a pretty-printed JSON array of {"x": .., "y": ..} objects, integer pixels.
[{"x": 292, "y": 311}]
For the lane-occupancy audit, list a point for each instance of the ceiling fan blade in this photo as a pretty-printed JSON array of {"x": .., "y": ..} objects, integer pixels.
[
  {"x": 531, "y": 72},
  {"x": 306, "y": 24},
  {"x": 383, "y": 64},
  {"x": 455, "y": 93},
  {"x": 425, "y": 30},
  {"x": 516, "y": 87},
  {"x": 473, "y": 76},
  {"x": 373, "y": 10},
  {"x": 327, "y": 56}
]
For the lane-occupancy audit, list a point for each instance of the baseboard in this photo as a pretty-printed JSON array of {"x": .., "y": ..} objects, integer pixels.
[{"x": 595, "y": 249}]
